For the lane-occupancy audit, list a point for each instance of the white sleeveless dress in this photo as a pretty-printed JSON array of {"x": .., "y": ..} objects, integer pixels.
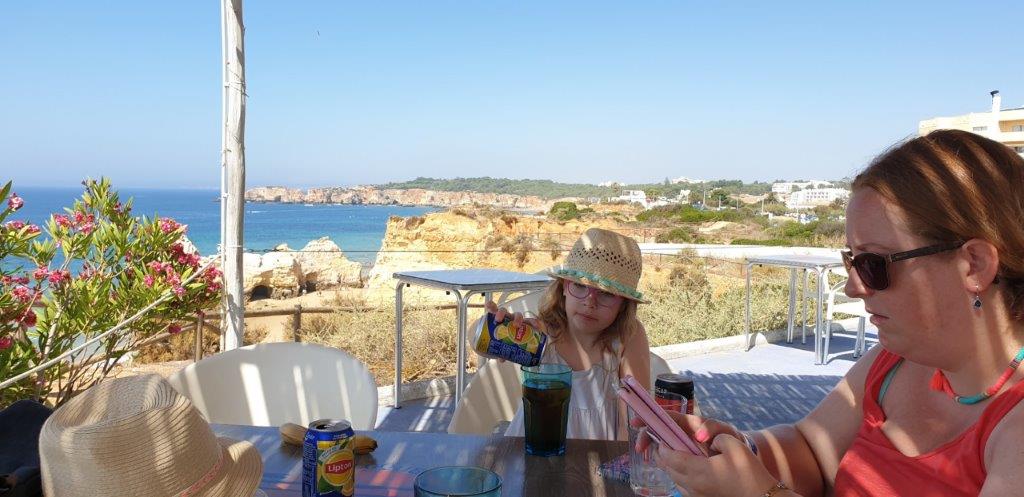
[{"x": 593, "y": 405}]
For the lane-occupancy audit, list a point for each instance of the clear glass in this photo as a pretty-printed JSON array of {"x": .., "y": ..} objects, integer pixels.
[
  {"x": 645, "y": 477},
  {"x": 451, "y": 481},
  {"x": 546, "y": 391}
]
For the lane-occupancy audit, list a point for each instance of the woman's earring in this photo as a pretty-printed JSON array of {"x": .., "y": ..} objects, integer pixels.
[{"x": 977, "y": 298}]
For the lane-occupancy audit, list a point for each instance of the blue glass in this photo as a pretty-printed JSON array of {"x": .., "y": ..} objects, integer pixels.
[
  {"x": 546, "y": 392},
  {"x": 452, "y": 481}
]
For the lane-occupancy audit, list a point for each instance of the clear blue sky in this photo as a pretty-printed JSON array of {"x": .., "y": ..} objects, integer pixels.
[{"x": 344, "y": 93}]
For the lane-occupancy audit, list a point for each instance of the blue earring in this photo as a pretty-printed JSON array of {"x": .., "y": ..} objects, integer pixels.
[{"x": 977, "y": 299}]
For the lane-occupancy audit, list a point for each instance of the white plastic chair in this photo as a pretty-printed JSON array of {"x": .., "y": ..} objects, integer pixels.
[
  {"x": 839, "y": 302},
  {"x": 494, "y": 393},
  {"x": 275, "y": 383}
]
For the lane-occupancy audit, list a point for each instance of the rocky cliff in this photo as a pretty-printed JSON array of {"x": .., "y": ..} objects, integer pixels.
[
  {"x": 458, "y": 239},
  {"x": 368, "y": 195}
]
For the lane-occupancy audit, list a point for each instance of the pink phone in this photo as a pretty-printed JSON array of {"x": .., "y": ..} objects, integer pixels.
[{"x": 660, "y": 425}]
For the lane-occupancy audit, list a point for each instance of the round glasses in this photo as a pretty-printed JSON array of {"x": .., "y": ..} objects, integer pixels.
[
  {"x": 873, "y": 269},
  {"x": 603, "y": 298}
]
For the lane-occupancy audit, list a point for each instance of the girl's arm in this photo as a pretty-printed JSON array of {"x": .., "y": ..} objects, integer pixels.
[{"x": 636, "y": 362}]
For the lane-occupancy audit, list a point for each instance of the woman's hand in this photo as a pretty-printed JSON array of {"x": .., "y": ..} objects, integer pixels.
[{"x": 730, "y": 469}]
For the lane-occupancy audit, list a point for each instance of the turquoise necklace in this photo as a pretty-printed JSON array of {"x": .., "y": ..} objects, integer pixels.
[{"x": 941, "y": 383}]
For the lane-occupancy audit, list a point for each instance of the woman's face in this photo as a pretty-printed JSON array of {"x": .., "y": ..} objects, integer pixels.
[
  {"x": 925, "y": 296},
  {"x": 589, "y": 310}
]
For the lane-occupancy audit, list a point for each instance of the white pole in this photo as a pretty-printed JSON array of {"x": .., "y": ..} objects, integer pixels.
[
  {"x": 222, "y": 254},
  {"x": 234, "y": 160}
]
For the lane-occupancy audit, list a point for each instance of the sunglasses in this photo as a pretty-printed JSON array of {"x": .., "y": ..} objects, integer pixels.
[
  {"x": 603, "y": 298},
  {"x": 873, "y": 268}
]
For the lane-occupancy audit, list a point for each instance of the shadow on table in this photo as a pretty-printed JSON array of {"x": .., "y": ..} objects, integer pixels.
[{"x": 431, "y": 414}]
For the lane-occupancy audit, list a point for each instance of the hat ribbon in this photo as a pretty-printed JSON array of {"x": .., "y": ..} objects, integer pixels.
[
  {"x": 601, "y": 281},
  {"x": 198, "y": 485}
]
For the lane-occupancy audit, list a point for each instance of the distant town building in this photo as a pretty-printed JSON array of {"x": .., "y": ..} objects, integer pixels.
[
  {"x": 637, "y": 196},
  {"x": 1002, "y": 125},
  {"x": 813, "y": 197},
  {"x": 611, "y": 184},
  {"x": 787, "y": 187},
  {"x": 684, "y": 179}
]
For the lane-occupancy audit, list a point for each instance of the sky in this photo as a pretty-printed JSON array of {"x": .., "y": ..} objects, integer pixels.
[{"x": 344, "y": 93}]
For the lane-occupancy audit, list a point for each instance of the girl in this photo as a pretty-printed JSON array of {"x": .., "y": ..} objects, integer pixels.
[{"x": 589, "y": 315}]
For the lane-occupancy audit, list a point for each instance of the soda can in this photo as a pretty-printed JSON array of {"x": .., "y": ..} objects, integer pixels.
[
  {"x": 328, "y": 461},
  {"x": 501, "y": 340}
]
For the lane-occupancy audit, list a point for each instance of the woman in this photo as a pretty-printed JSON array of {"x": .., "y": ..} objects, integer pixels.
[{"x": 936, "y": 251}]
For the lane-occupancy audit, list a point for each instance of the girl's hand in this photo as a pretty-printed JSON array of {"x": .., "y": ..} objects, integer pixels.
[
  {"x": 500, "y": 313},
  {"x": 731, "y": 470}
]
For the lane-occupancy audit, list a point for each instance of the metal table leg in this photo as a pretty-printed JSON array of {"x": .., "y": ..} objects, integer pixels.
[
  {"x": 819, "y": 328},
  {"x": 460, "y": 372},
  {"x": 398, "y": 345},
  {"x": 746, "y": 328},
  {"x": 792, "y": 305}
]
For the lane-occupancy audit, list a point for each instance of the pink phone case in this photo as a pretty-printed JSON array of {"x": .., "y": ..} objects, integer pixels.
[{"x": 660, "y": 425}]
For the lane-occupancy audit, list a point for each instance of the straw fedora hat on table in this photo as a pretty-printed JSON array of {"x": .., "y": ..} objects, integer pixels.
[
  {"x": 606, "y": 260},
  {"x": 138, "y": 436}
]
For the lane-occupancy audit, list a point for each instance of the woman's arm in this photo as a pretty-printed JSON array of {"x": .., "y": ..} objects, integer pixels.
[{"x": 1004, "y": 456}]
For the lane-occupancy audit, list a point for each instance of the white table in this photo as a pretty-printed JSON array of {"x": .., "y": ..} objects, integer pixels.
[
  {"x": 820, "y": 265},
  {"x": 464, "y": 283}
]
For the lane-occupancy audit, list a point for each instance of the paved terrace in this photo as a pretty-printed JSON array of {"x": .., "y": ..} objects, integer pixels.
[{"x": 770, "y": 384}]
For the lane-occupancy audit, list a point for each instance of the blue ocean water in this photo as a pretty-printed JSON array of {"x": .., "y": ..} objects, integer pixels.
[{"x": 357, "y": 229}]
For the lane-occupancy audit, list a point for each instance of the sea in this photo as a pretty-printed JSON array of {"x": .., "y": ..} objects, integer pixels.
[{"x": 357, "y": 229}]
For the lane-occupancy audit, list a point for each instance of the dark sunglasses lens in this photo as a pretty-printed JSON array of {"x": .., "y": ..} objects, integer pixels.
[{"x": 871, "y": 269}]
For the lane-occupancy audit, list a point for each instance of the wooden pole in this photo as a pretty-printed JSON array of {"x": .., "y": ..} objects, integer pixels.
[
  {"x": 233, "y": 328},
  {"x": 198, "y": 355},
  {"x": 297, "y": 323}
]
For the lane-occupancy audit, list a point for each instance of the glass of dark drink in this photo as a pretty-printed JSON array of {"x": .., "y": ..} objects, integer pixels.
[{"x": 546, "y": 390}]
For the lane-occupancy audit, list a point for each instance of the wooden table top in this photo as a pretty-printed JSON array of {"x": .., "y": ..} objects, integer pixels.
[{"x": 400, "y": 456}]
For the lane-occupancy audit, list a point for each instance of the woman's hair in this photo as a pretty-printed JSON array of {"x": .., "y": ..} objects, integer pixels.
[
  {"x": 954, "y": 185},
  {"x": 552, "y": 314}
]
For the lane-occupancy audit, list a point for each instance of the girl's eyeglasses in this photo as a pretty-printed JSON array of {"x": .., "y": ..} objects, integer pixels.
[
  {"x": 603, "y": 298},
  {"x": 873, "y": 268}
]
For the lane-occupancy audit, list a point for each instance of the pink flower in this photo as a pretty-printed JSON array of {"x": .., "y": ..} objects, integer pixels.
[
  {"x": 6, "y": 342},
  {"x": 62, "y": 221},
  {"x": 41, "y": 273},
  {"x": 15, "y": 202},
  {"x": 15, "y": 225},
  {"x": 179, "y": 290},
  {"x": 79, "y": 217},
  {"x": 174, "y": 329},
  {"x": 29, "y": 318},
  {"x": 22, "y": 293},
  {"x": 59, "y": 276},
  {"x": 86, "y": 228},
  {"x": 32, "y": 229},
  {"x": 149, "y": 280},
  {"x": 156, "y": 266},
  {"x": 168, "y": 225}
]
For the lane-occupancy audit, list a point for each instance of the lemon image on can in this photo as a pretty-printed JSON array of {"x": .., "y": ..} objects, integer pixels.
[{"x": 501, "y": 340}]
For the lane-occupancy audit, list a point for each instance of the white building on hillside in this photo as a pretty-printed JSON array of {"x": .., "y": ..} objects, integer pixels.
[
  {"x": 684, "y": 179},
  {"x": 787, "y": 187},
  {"x": 610, "y": 184},
  {"x": 637, "y": 196},
  {"x": 1005, "y": 126},
  {"x": 813, "y": 197}
]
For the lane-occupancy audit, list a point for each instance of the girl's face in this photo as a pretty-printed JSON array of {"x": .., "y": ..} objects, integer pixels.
[{"x": 589, "y": 310}]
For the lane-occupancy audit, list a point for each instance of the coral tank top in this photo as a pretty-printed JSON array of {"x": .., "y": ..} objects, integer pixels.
[{"x": 874, "y": 467}]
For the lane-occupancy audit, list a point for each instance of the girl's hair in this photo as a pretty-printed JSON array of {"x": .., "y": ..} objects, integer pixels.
[
  {"x": 954, "y": 185},
  {"x": 552, "y": 314}
]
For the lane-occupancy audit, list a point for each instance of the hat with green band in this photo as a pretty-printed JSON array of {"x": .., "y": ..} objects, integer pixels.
[{"x": 606, "y": 260}]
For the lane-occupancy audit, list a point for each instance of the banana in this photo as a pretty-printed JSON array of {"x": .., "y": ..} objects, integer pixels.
[
  {"x": 294, "y": 434},
  {"x": 362, "y": 444}
]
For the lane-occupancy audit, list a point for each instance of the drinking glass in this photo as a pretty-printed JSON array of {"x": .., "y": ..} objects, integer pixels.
[
  {"x": 546, "y": 391},
  {"x": 645, "y": 477},
  {"x": 449, "y": 481}
]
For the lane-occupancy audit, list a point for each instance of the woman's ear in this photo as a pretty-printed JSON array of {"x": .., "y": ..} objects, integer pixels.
[{"x": 982, "y": 264}]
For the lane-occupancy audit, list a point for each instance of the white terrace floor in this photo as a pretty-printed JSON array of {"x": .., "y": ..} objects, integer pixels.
[{"x": 770, "y": 384}]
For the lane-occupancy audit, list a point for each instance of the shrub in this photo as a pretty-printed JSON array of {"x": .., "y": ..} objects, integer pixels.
[{"x": 123, "y": 265}]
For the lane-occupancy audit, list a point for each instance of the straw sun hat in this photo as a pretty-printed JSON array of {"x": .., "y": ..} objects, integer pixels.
[
  {"x": 606, "y": 260},
  {"x": 139, "y": 436}
]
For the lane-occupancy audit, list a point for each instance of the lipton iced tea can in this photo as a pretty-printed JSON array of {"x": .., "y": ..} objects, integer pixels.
[
  {"x": 328, "y": 461},
  {"x": 502, "y": 340}
]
